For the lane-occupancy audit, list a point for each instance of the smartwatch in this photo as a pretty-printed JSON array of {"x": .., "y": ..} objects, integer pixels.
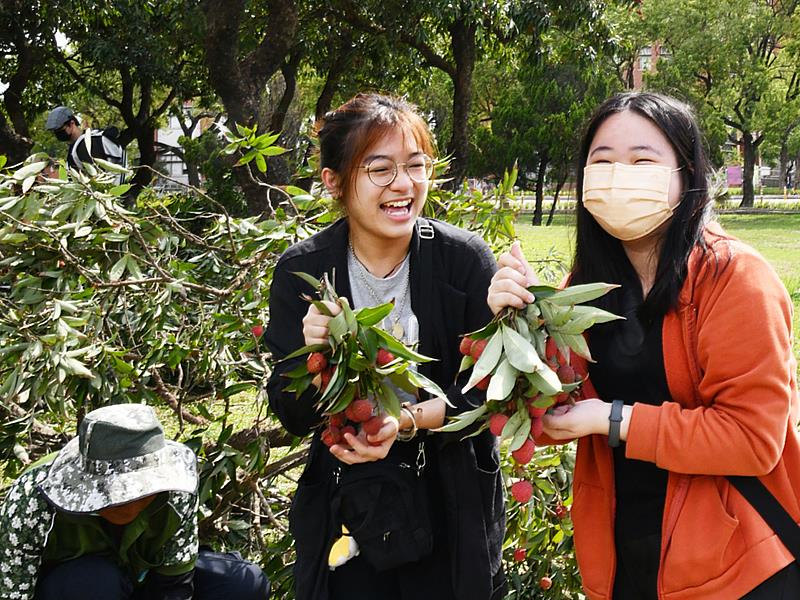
[{"x": 614, "y": 420}]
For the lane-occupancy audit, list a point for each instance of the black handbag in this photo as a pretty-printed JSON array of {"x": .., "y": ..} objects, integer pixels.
[
  {"x": 781, "y": 522},
  {"x": 384, "y": 506}
]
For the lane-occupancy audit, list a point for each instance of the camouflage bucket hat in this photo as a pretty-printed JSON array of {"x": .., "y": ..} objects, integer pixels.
[{"x": 120, "y": 455}]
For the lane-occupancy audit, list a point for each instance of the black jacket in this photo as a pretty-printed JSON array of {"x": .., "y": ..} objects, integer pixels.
[{"x": 450, "y": 275}]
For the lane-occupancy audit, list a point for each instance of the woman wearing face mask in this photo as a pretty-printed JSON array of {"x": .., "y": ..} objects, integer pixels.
[
  {"x": 375, "y": 156},
  {"x": 697, "y": 384}
]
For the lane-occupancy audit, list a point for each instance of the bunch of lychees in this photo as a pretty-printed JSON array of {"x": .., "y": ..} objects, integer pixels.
[
  {"x": 522, "y": 360},
  {"x": 356, "y": 367}
]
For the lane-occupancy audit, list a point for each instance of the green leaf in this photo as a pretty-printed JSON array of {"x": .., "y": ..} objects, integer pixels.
[
  {"x": 388, "y": 400},
  {"x": 349, "y": 315},
  {"x": 502, "y": 381},
  {"x": 118, "y": 269},
  {"x": 346, "y": 396},
  {"x": 29, "y": 170},
  {"x": 577, "y": 294},
  {"x": 402, "y": 382},
  {"x": 119, "y": 190},
  {"x": 519, "y": 351},
  {"x": 75, "y": 367},
  {"x": 462, "y": 420},
  {"x": 546, "y": 381},
  {"x": 312, "y": 281},
  {"x": 373, "y": 315},
  {"x": 307, "y": 350},
  {"x": 236, "y": 388},
  {"x": 261, "y": 164},
  {"x": 273, "y": 151},
  {"x": 369, "y": 343},
  {"x": 422, "y": 382},
  {"x": 337, "y": 328},
  {"x": 3, "y": 160},
  {"x": 398, "y": 348},
  {"x": 512, "y": 426},
  {"x": 487, "y": 361},
  {"x": 523, "y": 431},
  {"x": 578, "y": 345}
]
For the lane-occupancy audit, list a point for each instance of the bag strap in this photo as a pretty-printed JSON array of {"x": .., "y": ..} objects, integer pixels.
[{"x": 770, "y": 510}]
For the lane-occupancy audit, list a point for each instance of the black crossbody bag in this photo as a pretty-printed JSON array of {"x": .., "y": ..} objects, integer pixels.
[{"x": 781, "y": 522}]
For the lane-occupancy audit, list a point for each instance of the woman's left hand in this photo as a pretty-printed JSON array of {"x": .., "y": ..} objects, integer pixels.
[
  {"x": 583, "y": 418},
  {"x": 367, "y": 448}
]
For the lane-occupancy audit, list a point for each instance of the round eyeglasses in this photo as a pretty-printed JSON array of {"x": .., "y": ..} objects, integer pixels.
[{"x": 383, "y": 171}]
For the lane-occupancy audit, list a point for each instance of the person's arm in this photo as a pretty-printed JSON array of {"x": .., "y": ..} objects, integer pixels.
[
  {"x": 174, "y": 578},
  {"x": 25, "y": 520}
]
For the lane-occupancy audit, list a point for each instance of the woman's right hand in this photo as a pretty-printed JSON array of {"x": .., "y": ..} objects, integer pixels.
[
  {"x": 315, "y": 324},
  {"x": 510, "y": 284}
]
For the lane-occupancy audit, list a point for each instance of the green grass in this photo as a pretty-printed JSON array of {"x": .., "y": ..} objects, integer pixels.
[{"x": 775, "y": 236}]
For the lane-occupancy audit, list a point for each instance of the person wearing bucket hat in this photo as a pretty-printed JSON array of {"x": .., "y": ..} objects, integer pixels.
[{"x": 113, "y": 516}]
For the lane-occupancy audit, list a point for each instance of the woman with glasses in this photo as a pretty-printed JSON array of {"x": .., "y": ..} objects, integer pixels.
[{"x": 375, "y": 159}]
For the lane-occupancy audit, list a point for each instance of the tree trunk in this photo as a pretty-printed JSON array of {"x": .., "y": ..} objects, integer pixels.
[
  {"x": 14, "y": 146},
  {"x": 145, "y": 137},
  {"x": 240, "y": 80},
  {"x": 540, "y": 178},
  {"x": 463, "y": 37},
  {"x": 337, "y": 67},
  {"x": 561, "y": 181},
  {"x": 749, "y": 155}
]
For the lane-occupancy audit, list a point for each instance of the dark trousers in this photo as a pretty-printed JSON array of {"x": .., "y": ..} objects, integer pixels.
[
  {"x": 216, "y": 577},
  {"x": 637, "y": 574}
]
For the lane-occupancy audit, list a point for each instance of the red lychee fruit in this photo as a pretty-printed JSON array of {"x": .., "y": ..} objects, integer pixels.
[
  {"x": 545, "y": 583},
  {"x": 566, "y": 374},
  {"x": 338, "y": 420},
  {"x": 465, "y": 345},
  {"x": 496, "y": 423},
  {"x": 522, "y": 491},
  {"x": 359, "y": 410},
  {"x": 537, "y": 427},
  {"x": 257, "y": 330},
  {"x": 562, "y": 512},
  {"x": 348, "y": 429},
  {"x": 520, "y": 554},
  {"x": 316, "y": 362},
  {"x": 325, "y": 378},
  {"x": 477, "y": 349},
  {"x": 331, "y": 435},
  {"x": 536, "y": 412},
  {"x": 483, "y": 384},
  {"x": 373, "y": 425},
  {"x": 524, "y": 453},
  {"x": 384, "y": 357}
]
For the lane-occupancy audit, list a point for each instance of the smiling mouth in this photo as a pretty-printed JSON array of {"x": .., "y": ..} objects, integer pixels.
[{"x": 397, "y": 208}]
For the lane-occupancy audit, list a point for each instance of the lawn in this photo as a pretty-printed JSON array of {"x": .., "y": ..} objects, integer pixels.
[{"x": 776, "y": 236}]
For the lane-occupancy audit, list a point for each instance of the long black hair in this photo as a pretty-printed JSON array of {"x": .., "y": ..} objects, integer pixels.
[{"x": 600, "y": 256}]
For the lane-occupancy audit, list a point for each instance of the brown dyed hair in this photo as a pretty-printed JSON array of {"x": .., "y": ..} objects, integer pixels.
[{"x": 346, "y": 133}]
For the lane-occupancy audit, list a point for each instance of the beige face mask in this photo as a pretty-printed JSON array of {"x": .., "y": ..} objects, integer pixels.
[{"x": 628, "y": 201}]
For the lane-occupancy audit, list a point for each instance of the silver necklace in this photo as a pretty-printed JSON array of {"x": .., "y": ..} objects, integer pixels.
[{"x": 397, "y": 328}]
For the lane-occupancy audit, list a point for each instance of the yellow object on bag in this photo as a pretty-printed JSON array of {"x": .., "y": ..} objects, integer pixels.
[{"x": 343, "y": 549}]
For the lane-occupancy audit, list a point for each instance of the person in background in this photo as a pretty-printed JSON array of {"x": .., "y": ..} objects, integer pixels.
[
  {"x": 694, "y": 395},
  {"x": 84, "y": 146},
  {"x": 113, "y": 516}
]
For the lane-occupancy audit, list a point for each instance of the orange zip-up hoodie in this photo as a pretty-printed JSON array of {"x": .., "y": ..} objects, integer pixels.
[{"x": 734, "y": 411}]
